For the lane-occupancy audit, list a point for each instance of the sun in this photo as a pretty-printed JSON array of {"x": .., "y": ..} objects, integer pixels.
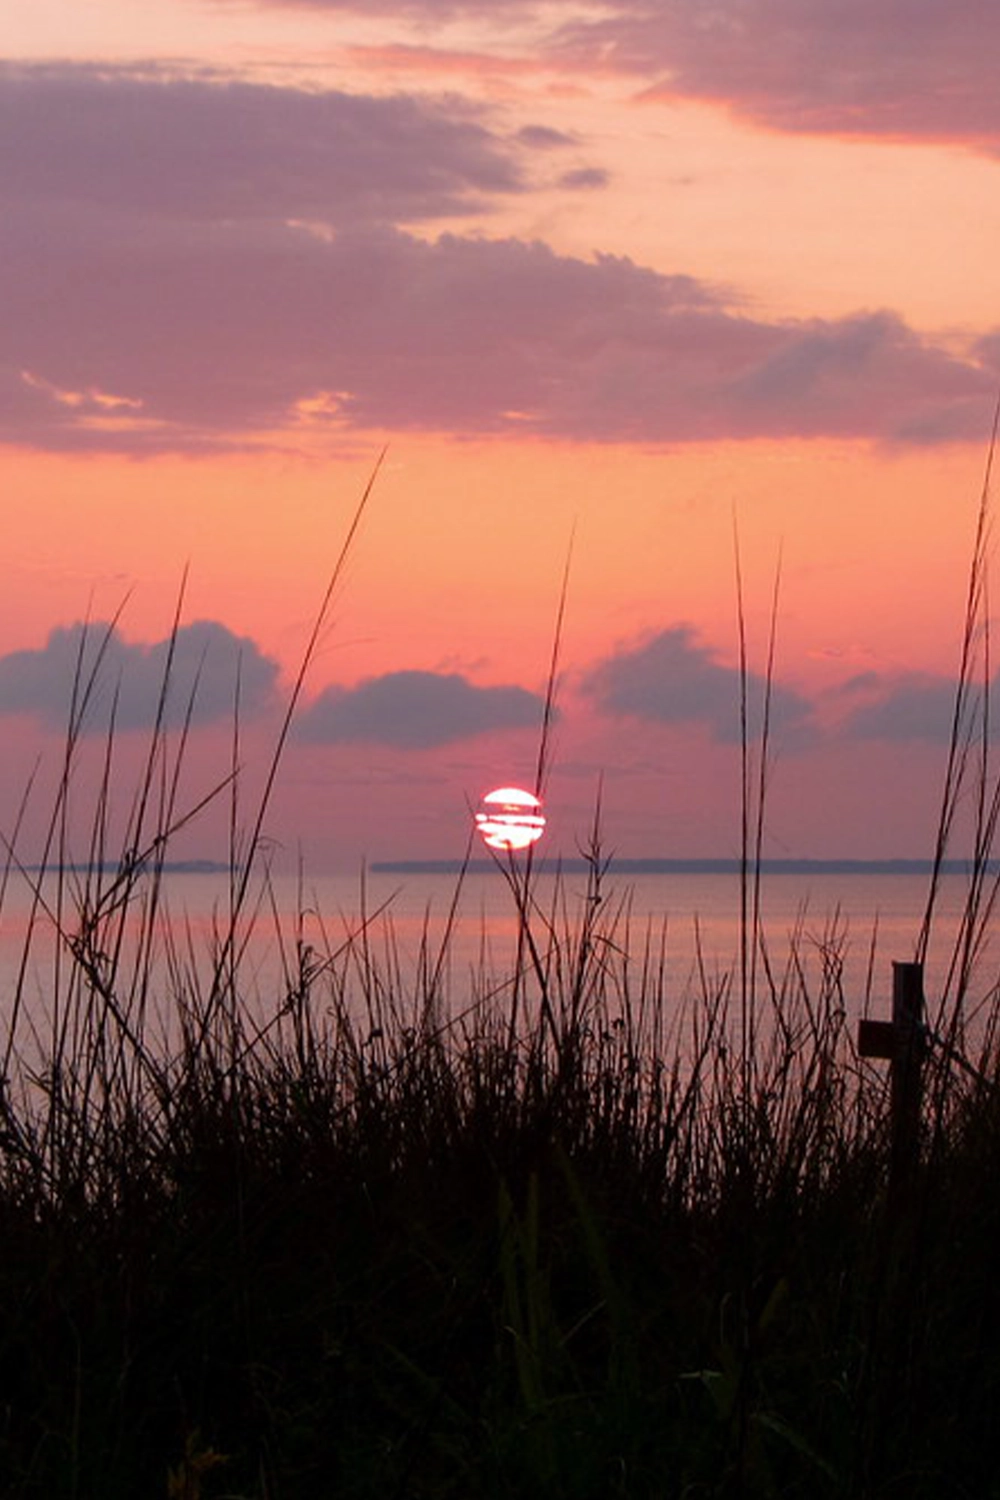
[{"x": 510, "y": 818}]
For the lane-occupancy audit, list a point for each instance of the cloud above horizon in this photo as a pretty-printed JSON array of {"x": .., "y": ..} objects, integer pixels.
[
  {"x": 913, "y": 706},
  {"x": 876, "y": 68},
  {"x": 149, "y": 144},
  {"x": 196, "y": 296},
  {"x": 200, "y": 674},
  {"x": 894, "y": 69},
  {"x": 205, "y": 674},
  {"x": 672, "y": 679},
  {"x": 414, "y": 710}
]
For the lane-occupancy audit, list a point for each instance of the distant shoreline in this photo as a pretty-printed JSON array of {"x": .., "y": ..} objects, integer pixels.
[
  {"x": 578, "y": 866},
  {"x": 573, "y": 866},
  {"x": 116, "y": 867}
]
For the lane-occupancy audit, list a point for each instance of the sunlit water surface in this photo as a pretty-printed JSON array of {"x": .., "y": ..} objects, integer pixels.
[{"x": 866, "y": 920}]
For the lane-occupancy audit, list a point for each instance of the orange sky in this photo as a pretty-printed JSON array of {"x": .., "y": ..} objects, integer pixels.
[{"x": 589, "y": 274}]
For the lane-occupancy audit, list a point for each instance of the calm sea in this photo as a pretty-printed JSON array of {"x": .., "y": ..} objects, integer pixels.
[{"x": 862, "y": 914}]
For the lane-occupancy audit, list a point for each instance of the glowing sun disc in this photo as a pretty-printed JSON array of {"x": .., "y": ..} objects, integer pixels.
[{"x": 510, "y": 818}]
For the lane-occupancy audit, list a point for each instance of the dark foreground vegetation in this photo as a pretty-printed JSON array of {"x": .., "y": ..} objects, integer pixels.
[
  {"x": 555, "y": 1233},
  {"x": 570, "y": 1242}
]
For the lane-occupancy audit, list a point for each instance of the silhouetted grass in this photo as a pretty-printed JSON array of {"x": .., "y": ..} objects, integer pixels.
[
  {"x": 559, "y": 1232},
  {"x": 378, "y": 1243}
]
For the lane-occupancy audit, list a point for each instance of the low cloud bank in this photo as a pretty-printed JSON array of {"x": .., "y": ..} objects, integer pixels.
[
  {"x": 414, "y": 710},
  {"x": 205, "y": 673},
  {"x": 672, "y": 679},
  {"x": 197, "y": 674},
  {"x": 914, "y": 706}
]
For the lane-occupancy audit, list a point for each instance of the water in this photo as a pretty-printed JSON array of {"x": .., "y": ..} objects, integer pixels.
[
  {"x": 870, "y": 919},
  {"x": 700, "y": 914}
]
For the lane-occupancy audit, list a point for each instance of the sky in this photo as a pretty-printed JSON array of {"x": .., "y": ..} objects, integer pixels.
[{"x": 692, "y": 307}]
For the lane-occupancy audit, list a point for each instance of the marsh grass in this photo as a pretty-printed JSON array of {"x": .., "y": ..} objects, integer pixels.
[{"x": 554, "y": 1231}]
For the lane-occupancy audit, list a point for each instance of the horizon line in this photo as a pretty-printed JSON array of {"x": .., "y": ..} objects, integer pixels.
[{"x": 686, "y": 866}]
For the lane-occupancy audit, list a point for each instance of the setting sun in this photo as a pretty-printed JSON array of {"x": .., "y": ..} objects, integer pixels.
[{"x": 510, "y": 819}]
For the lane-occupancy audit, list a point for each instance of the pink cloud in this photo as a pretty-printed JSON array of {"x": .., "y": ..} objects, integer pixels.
[
  {"x": 213, "y": 150},
  {"x": 902, "y": 69},
  {"x": 417, "y": 10},
  {"x": 188, "y": 265},
  {"x": 222, "y": 330}
]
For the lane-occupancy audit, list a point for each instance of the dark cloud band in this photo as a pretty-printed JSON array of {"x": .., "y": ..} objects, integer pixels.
[
  {"x": 672, "y": 679},
  {"x": 200, "y": 676},
  {"x": 413, "y": 710},
  {"x": 205, "y": 674},
  {"x": 914, "y": 707}
]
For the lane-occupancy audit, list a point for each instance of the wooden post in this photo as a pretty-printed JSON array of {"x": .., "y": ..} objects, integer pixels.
[
  {"x": 902, "y": 1042},
  {"x": 906, "y": 1069}
]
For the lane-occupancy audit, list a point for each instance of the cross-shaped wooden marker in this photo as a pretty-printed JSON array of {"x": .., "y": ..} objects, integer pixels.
[{"x": 902, "y": 1042}]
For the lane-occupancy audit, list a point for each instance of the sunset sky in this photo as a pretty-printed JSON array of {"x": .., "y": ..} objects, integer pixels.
[{"x": 613, "y": 283}]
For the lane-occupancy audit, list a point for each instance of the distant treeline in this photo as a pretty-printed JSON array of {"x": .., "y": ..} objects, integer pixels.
[
  {"x": 579, "y": 866},
  {"x": 573, "y": 866}
]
